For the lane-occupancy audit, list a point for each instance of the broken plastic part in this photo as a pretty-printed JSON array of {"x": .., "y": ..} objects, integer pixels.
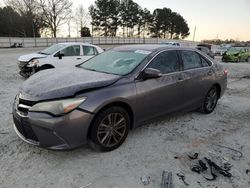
[
  {"x": 203, "y": 165},
  {"x": 248, "y": 171},
  {"x": 196, "y": 169},
  {"x": 237, "y": 158},
  {"x": 219, "y": 169},
  {"x": 145, "y": 180},
  {"x": 194, "y": 156},
  {"x": 182, "y": 177},
  {"x": 166, "y": 180}
]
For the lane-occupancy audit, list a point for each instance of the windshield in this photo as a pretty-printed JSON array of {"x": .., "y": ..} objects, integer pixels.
[
  {"x": 235, "y": 50},
  {"x": 116, "y": 62},
  {"x": 52, "y": 49}
]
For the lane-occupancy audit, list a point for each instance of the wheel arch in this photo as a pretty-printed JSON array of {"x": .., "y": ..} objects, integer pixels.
[
  {"x": 46, "y": 66},
  {"x": 121, "y": 104},
  {"x": 218, "y": 86}
]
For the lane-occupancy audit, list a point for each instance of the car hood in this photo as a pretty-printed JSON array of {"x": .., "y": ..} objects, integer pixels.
[
  {"x": 28, "y": 57},
  {"x": 59, "y": 83}
]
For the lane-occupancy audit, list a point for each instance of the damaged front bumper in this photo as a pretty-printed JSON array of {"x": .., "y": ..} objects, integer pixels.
[
  {"x": 25, "y": 69},
  {"x": 56, "y": 133}
]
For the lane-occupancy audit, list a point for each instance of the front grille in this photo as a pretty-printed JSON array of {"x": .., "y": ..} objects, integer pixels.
[
  {"x": 26, "y": 102},
  {"x": 23, "y": 106},
  {"x": 25, "y": 129}
]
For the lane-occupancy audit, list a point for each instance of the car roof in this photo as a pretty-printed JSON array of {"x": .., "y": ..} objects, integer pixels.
[
  {"x": 150, "y": 47},
  {"x": 75, "y": 43}
]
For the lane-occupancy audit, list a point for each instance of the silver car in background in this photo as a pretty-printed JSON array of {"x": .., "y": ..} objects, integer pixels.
[
  {"x": 101, "y": 100},
  {"x": 58, "y": 55}
]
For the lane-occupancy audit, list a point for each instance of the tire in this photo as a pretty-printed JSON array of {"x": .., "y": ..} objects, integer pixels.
[
  {"x": 210, "y": 101},
  {"x": 109, "y": 129}
]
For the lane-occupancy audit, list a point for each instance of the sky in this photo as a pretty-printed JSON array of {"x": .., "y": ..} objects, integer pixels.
[{"x": 223, "y": 19}]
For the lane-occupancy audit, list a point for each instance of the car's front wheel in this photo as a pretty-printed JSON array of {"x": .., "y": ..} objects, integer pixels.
[
  {"x": 109, "y": 129},
  {"x": 210, "y": 101}
]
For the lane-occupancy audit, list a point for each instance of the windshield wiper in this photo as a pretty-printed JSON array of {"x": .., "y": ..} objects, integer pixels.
[
  {"x": 97, "y": 70},
  {"x": 89, "y": 69},
  {"x": 43, "y": 53}
]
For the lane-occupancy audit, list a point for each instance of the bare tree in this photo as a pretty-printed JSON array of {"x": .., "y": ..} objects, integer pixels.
[
  {"x": 28, "y": 9},
  {"x": 56, "y": 13},
  {"x": 23, "y": 6},
  {"x": 81, "y": 18}
]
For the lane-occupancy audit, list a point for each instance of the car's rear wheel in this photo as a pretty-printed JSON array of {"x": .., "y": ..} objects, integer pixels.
[
  {"x": 210, "y": 101},
  {"x": 109, "y": 129}
]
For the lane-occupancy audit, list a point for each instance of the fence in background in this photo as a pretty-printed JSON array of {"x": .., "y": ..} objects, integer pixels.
[{"x": 44, "y": 42}]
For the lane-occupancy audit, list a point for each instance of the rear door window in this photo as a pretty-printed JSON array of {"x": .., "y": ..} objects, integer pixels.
[
  {"x": 191, "y": 60},
  {"x": 89, "y": 51},
  {"x": 204, "y": 62},
  {"x": 166, "y": 62}
]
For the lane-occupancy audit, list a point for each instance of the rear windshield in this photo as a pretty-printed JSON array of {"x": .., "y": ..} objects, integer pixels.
[{"x": 116, "y": 62}]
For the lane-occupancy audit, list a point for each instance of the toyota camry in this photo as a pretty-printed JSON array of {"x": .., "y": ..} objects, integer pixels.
[{"x": 102, "y": 99}]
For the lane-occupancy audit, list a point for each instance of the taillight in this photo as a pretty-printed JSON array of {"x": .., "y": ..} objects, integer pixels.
[{"x": 225, "y": 72}]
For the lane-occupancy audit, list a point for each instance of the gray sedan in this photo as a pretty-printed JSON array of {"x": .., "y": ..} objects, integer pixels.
[{"x": 101, "y": 100}]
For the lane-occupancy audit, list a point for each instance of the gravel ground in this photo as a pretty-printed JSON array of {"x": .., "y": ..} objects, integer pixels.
[{"x": 147, "y": 151}]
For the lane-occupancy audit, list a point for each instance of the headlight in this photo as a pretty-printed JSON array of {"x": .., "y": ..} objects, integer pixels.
[
  {"x": 33, "y": 63},
  {"x": 59, "y": 107}
]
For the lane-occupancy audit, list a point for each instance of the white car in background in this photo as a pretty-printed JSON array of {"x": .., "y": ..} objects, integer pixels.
[
  {"x": 171, "y": 44},
  {"x": 57, "y": 55}
]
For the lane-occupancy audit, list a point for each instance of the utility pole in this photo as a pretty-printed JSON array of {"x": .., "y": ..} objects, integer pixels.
[
  {"x": 69, "y": 28},
  {"x": 194, "y": 33}
]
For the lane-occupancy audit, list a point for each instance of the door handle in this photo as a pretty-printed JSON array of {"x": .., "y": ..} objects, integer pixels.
[
  {"x": 78, "y": 58},
  {"x": 210, "y": 73},
  {"x": 180, "y": 79}
]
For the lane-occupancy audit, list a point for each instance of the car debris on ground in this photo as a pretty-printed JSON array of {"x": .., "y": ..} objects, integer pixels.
[
  {"x": 248, "y": 171},
  {"x": 238, "y": 157},
  {"x": 145, "y": 180},
  {"x": 167, "y": 181},
  {"x": 211, "y": 169},
  {"x": 182, "y": 178}
]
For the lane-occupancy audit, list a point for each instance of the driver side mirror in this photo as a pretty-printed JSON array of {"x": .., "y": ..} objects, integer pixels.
[
  {"x": 149, "y": 73},
  {"x": 60, "y": 55}
]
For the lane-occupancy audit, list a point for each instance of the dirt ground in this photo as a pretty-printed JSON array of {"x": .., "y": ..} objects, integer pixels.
[{"x": 147, "y": 151}]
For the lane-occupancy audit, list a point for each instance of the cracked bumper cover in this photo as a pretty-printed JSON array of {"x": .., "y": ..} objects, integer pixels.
[{"x": 56, "y": 133}]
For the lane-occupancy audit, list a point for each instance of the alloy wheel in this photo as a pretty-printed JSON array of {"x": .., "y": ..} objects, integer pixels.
[
  {"x": 211, "y": 99},
  {"x": 112, "y": 129}
]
